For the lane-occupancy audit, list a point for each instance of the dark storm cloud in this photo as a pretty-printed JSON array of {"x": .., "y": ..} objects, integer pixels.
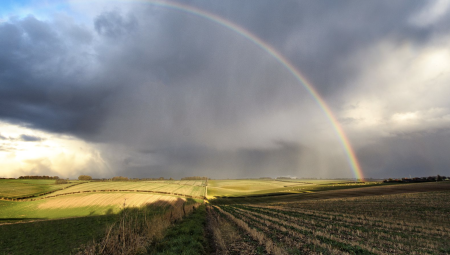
[
  {"x": 182, "y": 162},
  {"x": 42, "y": 79},
  {"x": 197, "y": 96}
]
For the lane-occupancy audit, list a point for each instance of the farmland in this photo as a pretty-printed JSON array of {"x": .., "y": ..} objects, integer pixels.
[
  {"x": 91, "y": 198},
  {"x": 23, "y": 187},
  {"x": 409, "y": 223},
  {"x": 241, "y": 217},
  {"x": 189, "y": 188},
  {"x": 48, "y": 212},
  {"x": 252, "y": 187}
]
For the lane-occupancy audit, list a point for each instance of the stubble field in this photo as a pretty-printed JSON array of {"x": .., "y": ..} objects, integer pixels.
[{"x": 408, "y": 223}]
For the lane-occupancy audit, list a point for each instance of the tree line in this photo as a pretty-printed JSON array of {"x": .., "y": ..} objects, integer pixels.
[{"x": 41, "y": 177}]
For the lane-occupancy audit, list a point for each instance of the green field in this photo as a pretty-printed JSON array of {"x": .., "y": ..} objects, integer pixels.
[{"x": 27, "y": 187}]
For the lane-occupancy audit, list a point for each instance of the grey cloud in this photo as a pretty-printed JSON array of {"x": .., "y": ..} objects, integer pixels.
[
  {"x": 419, "y": 155},
  {"x": 114, "y": 25},
  {"x": 30, "y": 138},
  {"x": 166, "y": 83}
]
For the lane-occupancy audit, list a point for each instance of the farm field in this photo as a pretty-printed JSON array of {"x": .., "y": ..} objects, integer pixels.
[
  {"x": 27, "y": 226},
  {"x": 262, "y": 187},
  {"x": 79, "y": 205},
  {"x": 184, "y": 182},
  {"x": 156, "y": 186},
  {"x": 25, "y": 187},
  {"x": 323, "y": 218},
  {"x": 412, "y": 223},
  {"x": 89, "y": 198}
]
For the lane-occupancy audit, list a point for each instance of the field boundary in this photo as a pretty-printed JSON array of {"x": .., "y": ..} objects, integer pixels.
[{"x": 105, "y": 190}]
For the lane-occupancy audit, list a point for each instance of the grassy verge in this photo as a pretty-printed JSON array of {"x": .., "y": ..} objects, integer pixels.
[
  {"x": 187, "y": 237},
  {"x": 52, "y": 236}
]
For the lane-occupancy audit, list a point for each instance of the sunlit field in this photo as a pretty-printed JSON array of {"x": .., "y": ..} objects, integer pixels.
[
  {"x": 25, "y": 187},
  {"x": 83, "y": 211},
  {"x": 262, "y": 187}
]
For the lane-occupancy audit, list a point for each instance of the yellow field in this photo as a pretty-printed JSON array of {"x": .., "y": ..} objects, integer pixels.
[
  {"x": 109, "y": 199},
  {"x": 156, "y": 186}
]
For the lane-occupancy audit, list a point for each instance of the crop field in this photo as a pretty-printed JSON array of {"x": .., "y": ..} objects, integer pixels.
[
  {"x": 149, "y": 186},
  {"x": 185, "y": 182},
  {"x": 78, "y": 205},
  {"x": 218, "y": 188},
  {"x": 261, "y": 187},
  {"x": 415, "y": 223},
  {"x": 23, "y": 187}
]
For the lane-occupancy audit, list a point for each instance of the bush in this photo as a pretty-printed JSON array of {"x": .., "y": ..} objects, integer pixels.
[
  {"x": 84, "y": 177},
  {"x": 61, "y": 181},
  {"x": 119, "y": 178}
]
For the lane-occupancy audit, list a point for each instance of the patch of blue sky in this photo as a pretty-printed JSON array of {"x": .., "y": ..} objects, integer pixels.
[{"x": 42, "y": 9}]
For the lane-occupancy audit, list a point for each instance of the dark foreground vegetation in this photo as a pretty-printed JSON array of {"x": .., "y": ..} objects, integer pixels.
[{"x": 52, "y": 236}]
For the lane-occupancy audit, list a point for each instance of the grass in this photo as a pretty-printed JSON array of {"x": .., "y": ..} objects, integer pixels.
[
  {"x": 52, "y": 236},
  {"x": 187, "y": 237},
  {"x": 88, "y": 233},
  {"x": 27, "y": 187}
]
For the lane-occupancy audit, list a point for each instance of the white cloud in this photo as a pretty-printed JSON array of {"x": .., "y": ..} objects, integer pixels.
[
  {"x": 401, "y": 88},
  {"x": 64, "y": 156}
]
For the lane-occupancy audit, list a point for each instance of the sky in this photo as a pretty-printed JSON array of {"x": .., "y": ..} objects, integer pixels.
[{"x": 144, "y": 90}]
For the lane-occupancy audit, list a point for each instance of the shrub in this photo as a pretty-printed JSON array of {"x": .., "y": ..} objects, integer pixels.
[
  {"x": 61, "y": 181},
  {"x": 84, "y": 177},
  {"x": 119, "y": 178}
]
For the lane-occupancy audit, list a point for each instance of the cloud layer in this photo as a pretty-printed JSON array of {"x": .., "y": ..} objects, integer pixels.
[{"x": 159, "y": 92}]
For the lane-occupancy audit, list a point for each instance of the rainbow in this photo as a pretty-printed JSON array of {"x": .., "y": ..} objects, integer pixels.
[{"x": 351, "y": 157}]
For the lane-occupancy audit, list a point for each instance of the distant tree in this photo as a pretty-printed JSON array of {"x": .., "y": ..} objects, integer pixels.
[
  {"x": 171, "y": 178},
  {"x": 44, "y": 177},
  {"x": 84, "y": 178},
  {"x": 195, "y": 178},
  {"x": 119, "y": 179}
]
